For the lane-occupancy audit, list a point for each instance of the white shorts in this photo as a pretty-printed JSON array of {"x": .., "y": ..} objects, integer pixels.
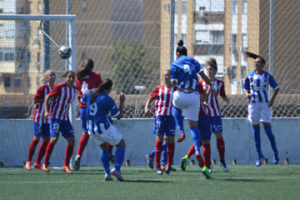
[
  {"x": 259, "y": 112},
  {"x": 110, "y": 135},
  {"x": 188, "y": 103}
]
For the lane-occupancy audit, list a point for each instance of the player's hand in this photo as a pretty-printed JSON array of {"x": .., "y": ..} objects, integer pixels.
[
  {"x": 46, "y": 115},
  {"x": 122, "y": 98},
  {"x": 271, "y": 103},
  {"x": 147, "y": 112},
  {"x": 248, "y": 96}
]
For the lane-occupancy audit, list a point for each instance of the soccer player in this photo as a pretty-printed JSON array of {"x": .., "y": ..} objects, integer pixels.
[
  {"x": 98, "y": 106},
  {"x": 212, "y": 103},
  {"x": 259, "y": 106},
  {"x": 40, "y": 124},
  {"x": 186, "y": 101},
  {"x": 86, "y": 79},
  {"x": 61, "y": 97},
  {"x": 164, "y": 121}
]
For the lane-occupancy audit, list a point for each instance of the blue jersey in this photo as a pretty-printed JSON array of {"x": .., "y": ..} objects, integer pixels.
[
  {"x": 98, "y": 118},
  {"x": 185, "y": 70},
  {"x": 257, "y": 85}
]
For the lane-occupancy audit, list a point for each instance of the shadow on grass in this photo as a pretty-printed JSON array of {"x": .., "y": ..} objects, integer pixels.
[
  {"x": 242, "y": 180},
  {"x": 147, "y": 181}
]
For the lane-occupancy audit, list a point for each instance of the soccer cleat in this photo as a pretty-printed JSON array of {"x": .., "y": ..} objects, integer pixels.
[
  {"x": 259, "y": 162},
  {"x": 223, "y": 164},
  {"x": 210, "y": 169},
  {"x": 112, "y": 159},
  {"x": 205, "y": 172},
  {"x": 173, "y": 169},
  {"x": 77, "y": 163},
  {"x": 46, "y": 168},
  {"x": 149, "y": 161},
  {"x": 67, "y": 169},
  {"x": 181, "y": 137},
  {"x": 28, "y": 165},
  {"x": 168, "y": 169},
  {"x": 37, "y": 165},
  {"x": 158, "y": 171},
  {"x": 275, "y": 159},
  {"x": 117, "y": 174},
  {"x": 107, "y": 177},
  {"x": 184, "y": 162}
]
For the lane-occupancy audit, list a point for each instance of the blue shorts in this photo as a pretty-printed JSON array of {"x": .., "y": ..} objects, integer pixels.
[
  {"x": 42, "y": 130},
  {"x": 164, "y": 125},
  {"x": 204, "y": 127},
  {"x": 83, "y": 120},
  {"x": 63, "y": 126},
  {"x": 216, "y": 124}
]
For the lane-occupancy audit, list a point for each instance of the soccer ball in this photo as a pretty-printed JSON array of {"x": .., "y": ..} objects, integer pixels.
[{"x": 64, "y": 52}]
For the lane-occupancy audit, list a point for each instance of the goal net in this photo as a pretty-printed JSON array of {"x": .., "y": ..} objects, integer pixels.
[{"x": 28, "y": 48}]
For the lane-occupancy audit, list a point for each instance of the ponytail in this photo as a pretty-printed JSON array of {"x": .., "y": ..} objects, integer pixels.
[
  {"x": 254, "y": 56},
  {"x": 106, "y": 85},
  {"x": 181, "y": 49}
]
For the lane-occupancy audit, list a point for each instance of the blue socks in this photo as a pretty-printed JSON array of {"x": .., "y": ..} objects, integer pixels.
[
  {"x": 104, "y": 157},
  {"x": 119, "y": 157},
  {"x": 256, "y": 134},
  {"x": 177, "y": 113},
  {"x": 196, "y": 138},
  {"x": 271, "y": 137}
]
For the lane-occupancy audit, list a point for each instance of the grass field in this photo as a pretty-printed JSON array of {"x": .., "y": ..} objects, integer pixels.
[{"x": 242, "y": 182}]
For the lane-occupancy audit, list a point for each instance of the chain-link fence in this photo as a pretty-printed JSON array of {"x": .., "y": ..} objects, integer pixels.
[{"x": 129, "y": 40}]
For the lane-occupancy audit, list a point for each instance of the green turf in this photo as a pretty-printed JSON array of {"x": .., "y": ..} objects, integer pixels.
[{"x": 242, "y": 182}]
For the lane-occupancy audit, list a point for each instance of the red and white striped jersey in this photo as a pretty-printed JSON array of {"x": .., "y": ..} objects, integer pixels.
[
  {"x": 162, "y": 97},
  {"x": 63, "y": 97},
  {"x": 89, "y": 82},
  {"x": 39, "y": 111},
  {"x": 212, "y": 101}
]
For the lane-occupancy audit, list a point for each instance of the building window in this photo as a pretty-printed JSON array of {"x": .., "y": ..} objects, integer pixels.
[
  {"x": 201, "y": 36},
  {"x": 244, "y": 7},
  {"x": 38, "y": 57},
  {"x": 234, "y": 7},
  {"x": 7, "y": 54},
  {"x": 84, "y": 6},
  {"x": 244, "y": 40},
  {"x": 217, "y": 37},
  {"x": 233, "y": 73},
  {"x": 234, "y": 40},
  {"x": 30, "y": 7},
  {"x": 40, "y": 7},
  {"x": 6, "y": 81},
  {"x": 183, "y": 37},
  {"x": 183, "y": 7},
  {"x": 243, "y": 72}
]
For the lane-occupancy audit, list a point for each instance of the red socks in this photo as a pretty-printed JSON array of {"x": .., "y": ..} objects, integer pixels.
[
  {"x": 200, "y": 160},
  {"x": 158, "y": 149},
  {"x": 206, "y": 155},
  {"x": 32, "y": 149},
  {"x": 69, "y": 152},
  {"x": 82, "y": 143},
  {"x": 221, "y": 148},
  {"x": 49, "y": 150},
  {"x": 42, "y": 151},
  {"x": 191, "y": 151},
  {"x": 170, "y": 153}
]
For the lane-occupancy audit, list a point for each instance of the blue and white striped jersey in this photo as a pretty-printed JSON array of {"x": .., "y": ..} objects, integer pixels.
[
  {"x": 185, "y": 70},
  {"x": 257, "y": 85},
  {"x": 98, "y": 118}
]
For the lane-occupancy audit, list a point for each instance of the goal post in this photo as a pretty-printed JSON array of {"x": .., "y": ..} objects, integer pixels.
[{"x": 26, "y": 52}]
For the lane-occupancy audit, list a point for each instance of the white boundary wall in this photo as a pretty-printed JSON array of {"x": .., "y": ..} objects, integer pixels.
[{"x": 16, "y": 135}]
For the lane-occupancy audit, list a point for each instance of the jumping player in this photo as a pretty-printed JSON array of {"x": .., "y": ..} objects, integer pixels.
[
  {"x": 164, "y": 121},
  {"x": 213, "y": 110},
  {"x": 259, "y": 107},
  {"x": 40, "y": 124},
  {"x": 86, "y": 79},
  {"x": 186, "y": 101},
  {"x": 98, "y": 106},
  {"x": 61, "y": 96}
]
